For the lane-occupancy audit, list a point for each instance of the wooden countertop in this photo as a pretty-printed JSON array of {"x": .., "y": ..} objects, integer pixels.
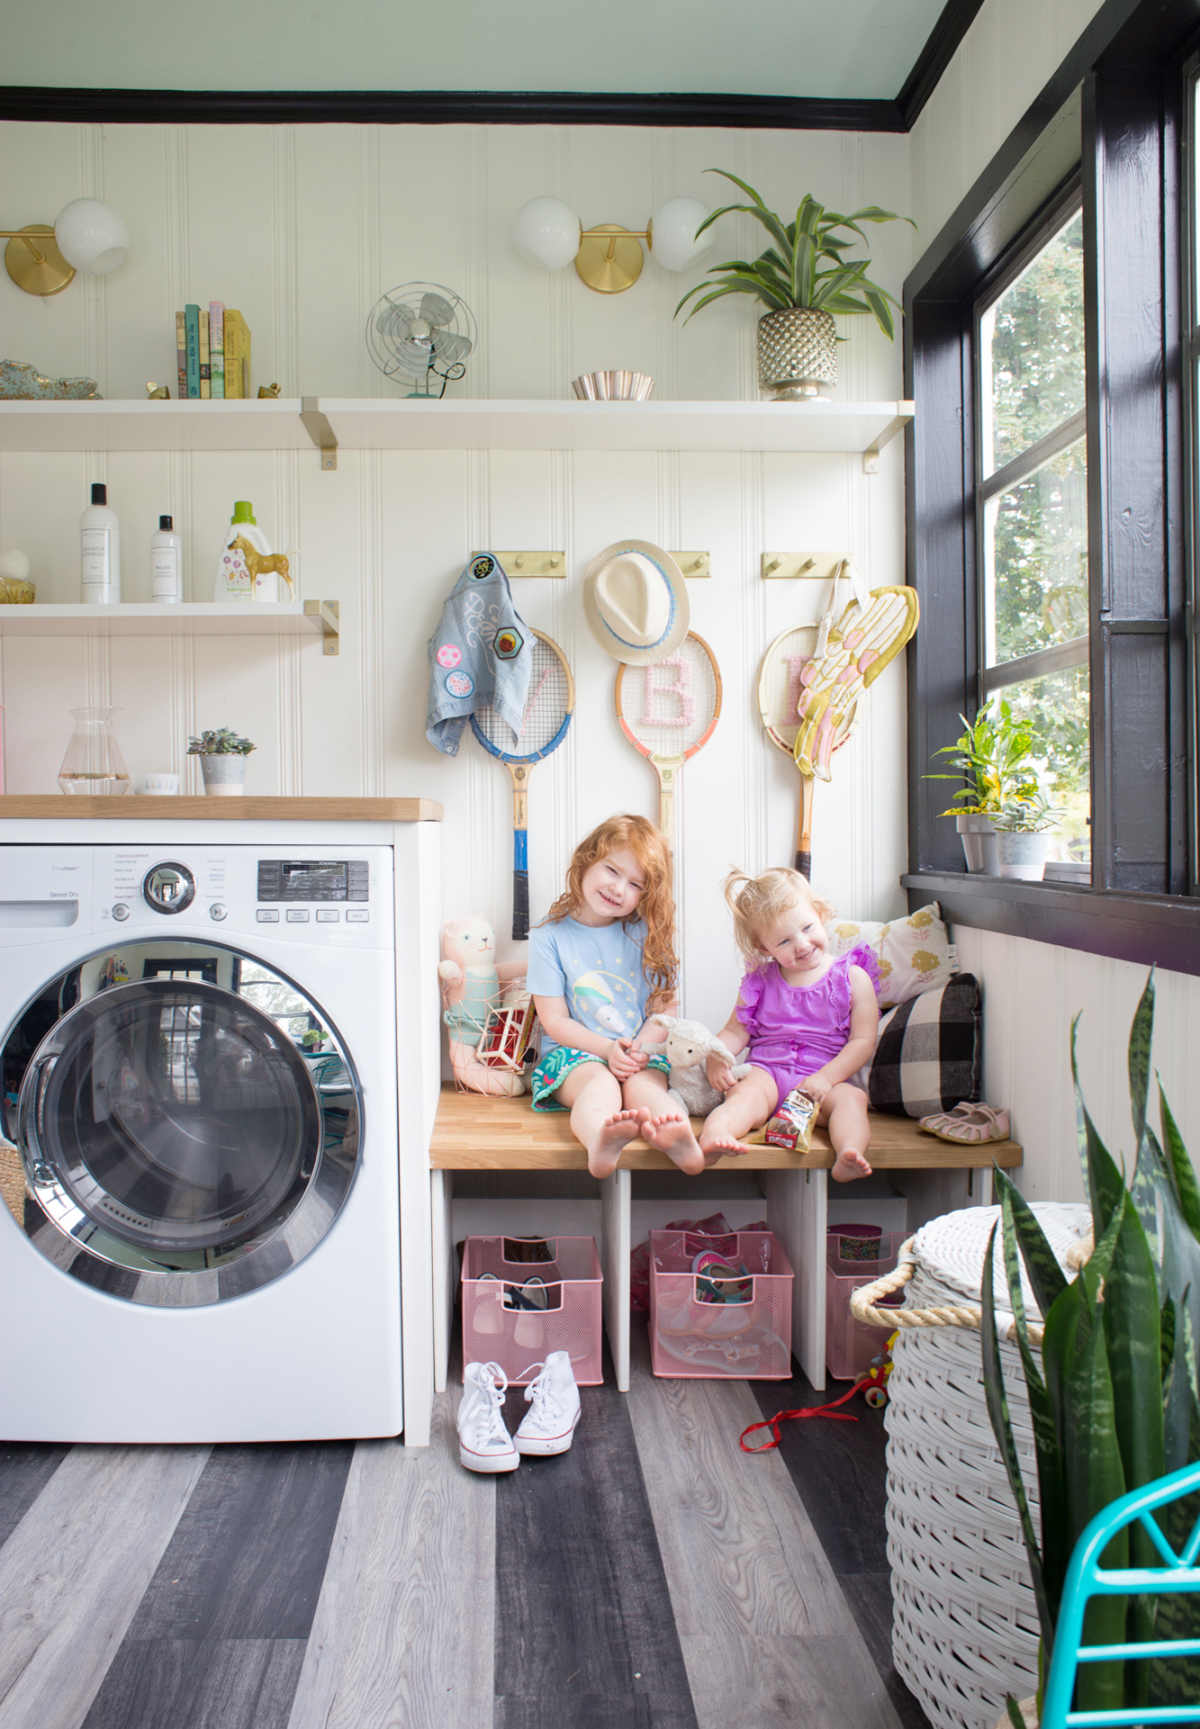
[
  {"x": 71, "y": 807},
  {"x": 475, "y": 1133}
]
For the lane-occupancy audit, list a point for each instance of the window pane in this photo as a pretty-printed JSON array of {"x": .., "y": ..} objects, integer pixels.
[
  {"x": 1059, "y": 708},
  {"x": 1032, "y": 350},
  {"x": 1035, "y": 560}
]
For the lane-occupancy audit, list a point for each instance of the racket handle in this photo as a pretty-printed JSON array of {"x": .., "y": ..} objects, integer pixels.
[
  {"x": 804, "y": 864},
  {"x": 520, "y": 924},
  {"x": 666, "y": 805}
]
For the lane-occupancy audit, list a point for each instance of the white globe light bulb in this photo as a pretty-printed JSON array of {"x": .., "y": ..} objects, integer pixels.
[
  {"x": 91, "y": 237},
  {"x": 547, "y": 231},
  {"x": 673, "y": 233}
]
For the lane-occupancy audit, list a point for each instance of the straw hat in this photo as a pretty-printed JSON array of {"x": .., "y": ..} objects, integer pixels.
[{"x": 636, "y": 601}]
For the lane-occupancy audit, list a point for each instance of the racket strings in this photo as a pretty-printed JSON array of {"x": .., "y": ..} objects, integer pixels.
[
  {"x": 782, "y": 684},
  {"x": 669, "y": 704},
  {"x": 546, "y": 707}
]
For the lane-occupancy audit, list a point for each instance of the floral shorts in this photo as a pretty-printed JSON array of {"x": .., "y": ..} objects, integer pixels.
[{"x": 553, "y": 1070}]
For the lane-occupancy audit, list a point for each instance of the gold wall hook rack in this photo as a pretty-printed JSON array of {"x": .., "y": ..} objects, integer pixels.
[
  {"x": 811, "y": 566},
  {"x": 693, "y": 564},
  {"x": 533, "y": 563}
]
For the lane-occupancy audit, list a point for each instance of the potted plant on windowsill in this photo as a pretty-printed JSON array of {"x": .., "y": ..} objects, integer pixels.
[
  {"x": 802, "y": 278},
  {"x": 1113, "y": 1390},
  {"x": 222, "y": 756},
  {"x": 992, "y": 760},
  {"x": 1020, "y": 841}
]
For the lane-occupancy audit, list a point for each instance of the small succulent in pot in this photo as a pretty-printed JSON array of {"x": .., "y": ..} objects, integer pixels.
[
  {"x": 222, "y": 754},
  {"x": 221, "y": 741},
  {"x": 802, "y": 279}
]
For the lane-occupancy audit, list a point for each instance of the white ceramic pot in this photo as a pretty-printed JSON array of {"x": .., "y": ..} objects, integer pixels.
[
  {"x": 224, "y": 776},
  {"x": 1018, "y": 856},
  {"x": 972, "y": 829}
]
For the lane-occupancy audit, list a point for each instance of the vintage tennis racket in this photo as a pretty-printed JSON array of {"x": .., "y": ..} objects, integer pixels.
[
  {"x": 667, "y": 710},
  {"x": 780, "y": 685},
  {"x": 548, "y": 710}
]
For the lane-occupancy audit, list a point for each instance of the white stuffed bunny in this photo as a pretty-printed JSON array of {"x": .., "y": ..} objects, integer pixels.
[{"x": 688, "y": 1044}]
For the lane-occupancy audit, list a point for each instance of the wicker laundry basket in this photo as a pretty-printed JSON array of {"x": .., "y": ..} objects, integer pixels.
[{"x": 964, "y": 1621}]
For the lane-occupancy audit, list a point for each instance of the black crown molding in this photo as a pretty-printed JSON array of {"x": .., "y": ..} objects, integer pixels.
[{"x": 443, "y": 108}]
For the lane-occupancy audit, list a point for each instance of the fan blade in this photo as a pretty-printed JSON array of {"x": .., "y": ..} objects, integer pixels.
[
  {"x": 395, "y": 320},
  {"x": 449, "y": 348},
  {"x": 436, "y": 309}
]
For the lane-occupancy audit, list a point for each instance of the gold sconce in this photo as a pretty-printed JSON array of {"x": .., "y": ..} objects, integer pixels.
[
  {"x": 608, "y": 257},
  {"x": 87, "y": 236}
]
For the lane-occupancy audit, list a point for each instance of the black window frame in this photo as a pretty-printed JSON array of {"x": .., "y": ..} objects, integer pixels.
[{"x": 1107, "y": 127}]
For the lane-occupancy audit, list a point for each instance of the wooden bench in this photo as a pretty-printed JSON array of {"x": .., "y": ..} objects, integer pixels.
[{"x": 474, "y": 1133}]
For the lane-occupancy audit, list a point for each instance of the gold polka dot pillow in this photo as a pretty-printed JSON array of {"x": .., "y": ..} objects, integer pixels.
[{"x": 914, "y": 954}]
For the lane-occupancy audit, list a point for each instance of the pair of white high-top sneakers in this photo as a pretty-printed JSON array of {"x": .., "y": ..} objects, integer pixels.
[{"x": 484, "y": 1443}]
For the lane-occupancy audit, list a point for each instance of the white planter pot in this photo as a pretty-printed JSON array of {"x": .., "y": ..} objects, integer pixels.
[
  {"x": 972, "y": 831},
  {"x": 224, "y": 776},
  {"x": 1018, "y": 856}
]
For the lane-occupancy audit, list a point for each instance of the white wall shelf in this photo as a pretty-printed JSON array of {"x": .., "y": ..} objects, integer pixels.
[
  {"x": 252, "y": 618},
  {"x": 369, "y": 423}
]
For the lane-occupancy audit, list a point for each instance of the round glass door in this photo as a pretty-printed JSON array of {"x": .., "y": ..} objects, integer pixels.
[{"x": 184, "y": 1140}]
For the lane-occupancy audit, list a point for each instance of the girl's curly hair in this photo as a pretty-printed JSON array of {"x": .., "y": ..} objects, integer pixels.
[
  {"x": 656, "y": 907},
  {"x": 756, "y": 901}
]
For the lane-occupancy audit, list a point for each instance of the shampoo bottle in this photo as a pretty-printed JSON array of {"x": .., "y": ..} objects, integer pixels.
[
  {"x": 100, "y": 550},
  {"x": 166, "y": 569},
  {"x": 235, "y": 575}
]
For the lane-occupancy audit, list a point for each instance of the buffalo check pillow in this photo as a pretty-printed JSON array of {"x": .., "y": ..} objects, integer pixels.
[{"x": 929, "y": 1051}]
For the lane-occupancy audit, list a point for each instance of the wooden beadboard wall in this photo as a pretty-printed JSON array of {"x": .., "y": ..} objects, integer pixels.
[{"x": 303, "y": 228}]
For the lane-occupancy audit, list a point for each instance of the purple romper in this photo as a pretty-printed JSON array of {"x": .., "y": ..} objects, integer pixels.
[{"x": 795, "y": 1029}]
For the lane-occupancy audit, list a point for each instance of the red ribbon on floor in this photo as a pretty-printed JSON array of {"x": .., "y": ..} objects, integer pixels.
[{"x": 831, "y": 1411}]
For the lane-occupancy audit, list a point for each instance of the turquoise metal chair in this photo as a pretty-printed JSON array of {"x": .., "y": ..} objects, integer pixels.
[{"x": 1086, "y": 1578}]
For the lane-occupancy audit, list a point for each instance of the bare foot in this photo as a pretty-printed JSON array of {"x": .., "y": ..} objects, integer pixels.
[
  {"x": 849, "y": 1165},
  {"x": 720, "y": 1145},
  {"x": 673, "y": 1136},
  {"x": 615, "y": 1132}
]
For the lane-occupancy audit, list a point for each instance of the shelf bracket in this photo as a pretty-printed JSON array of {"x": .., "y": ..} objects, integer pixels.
[
  {"x": 330, "y": 614},
  {"x": 321, "y": 433},
  {"x": 905, "y": 412}
]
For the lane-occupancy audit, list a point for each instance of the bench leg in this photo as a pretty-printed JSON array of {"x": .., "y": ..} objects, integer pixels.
[
  {"x": 616, "y": 1194},
  {"x": 441, "y": 1198},
  {"x": 796, "y": 1212}
]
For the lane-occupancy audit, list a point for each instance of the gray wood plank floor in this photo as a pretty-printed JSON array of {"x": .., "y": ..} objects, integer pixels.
[{"x": 654, "y": 1575}]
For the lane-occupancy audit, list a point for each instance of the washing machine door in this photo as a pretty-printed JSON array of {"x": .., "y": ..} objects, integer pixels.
[{"x": 179, "y": 1146}]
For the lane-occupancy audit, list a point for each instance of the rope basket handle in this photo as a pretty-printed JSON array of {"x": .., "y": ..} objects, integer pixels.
[{"x": 864, "y": 1303}]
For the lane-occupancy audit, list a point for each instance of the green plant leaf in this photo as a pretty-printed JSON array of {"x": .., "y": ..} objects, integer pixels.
[
  {"x": 1179, "y": 1167},
  {"x": 1141, "y": 1034},
  {"x": 996, "y": 1399}
]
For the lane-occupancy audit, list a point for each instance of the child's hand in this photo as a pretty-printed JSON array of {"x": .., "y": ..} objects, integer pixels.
[
  {"x": 719, "y": 1071},
  {"x": 625, "y": 1059},
  {"x": 816, "y": 1086}
]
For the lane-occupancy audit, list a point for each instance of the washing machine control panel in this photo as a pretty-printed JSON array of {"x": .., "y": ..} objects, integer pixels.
[{"x": 329, "y": 896}]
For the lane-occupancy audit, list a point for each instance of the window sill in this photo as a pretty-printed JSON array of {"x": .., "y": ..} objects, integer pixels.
[{"x": 1154, "y": 930}]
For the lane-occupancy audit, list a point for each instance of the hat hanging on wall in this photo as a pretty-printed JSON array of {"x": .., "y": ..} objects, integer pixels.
[{"x": 636, "y": 601}]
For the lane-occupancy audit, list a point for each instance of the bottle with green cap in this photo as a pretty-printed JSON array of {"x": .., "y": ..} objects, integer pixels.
[{"x": 235, "y": 580}]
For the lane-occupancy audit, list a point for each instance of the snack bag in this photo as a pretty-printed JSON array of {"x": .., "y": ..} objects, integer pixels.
[{"x": 791, "y": 1126}]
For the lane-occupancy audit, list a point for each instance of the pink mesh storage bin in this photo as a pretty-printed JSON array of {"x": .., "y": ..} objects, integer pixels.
[
  {"x": 523, "y": 1298},
  {"x": 855, "y": 1255},
  {"x": 720, "y": 1307}
]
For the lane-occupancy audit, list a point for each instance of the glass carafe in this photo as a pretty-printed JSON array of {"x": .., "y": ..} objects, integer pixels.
[{"x": 93, "y": 762}]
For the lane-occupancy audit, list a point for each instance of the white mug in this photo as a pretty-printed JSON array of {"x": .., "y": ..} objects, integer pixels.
[{"x": 159, "y": 783}]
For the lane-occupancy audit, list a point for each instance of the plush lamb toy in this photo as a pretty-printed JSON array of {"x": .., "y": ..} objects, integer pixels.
[
  {"x": 471, "y": 987},
  {"x": 688, "y": 1044}
]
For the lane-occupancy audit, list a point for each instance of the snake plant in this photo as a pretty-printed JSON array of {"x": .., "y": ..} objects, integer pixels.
[
  {"x": 1115, "y": 1397},
  {"x": 804, "y": 267}
]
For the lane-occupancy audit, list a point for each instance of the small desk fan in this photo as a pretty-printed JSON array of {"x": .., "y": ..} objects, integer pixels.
[{"x": 421, "y": 332}]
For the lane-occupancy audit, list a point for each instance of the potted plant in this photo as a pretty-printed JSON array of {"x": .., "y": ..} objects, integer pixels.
[
  {"x": 802, "y": 278},
  {"x": 992, "y": 760},
  {"x": 1019, "y": 845},
  {"x": 222, "y": 756},
  {"x": 1113, "y": 1391}
]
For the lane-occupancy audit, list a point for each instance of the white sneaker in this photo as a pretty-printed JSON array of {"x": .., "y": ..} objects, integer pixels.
[
  {"x": 549, "y": 1424},
  {"x": 484, "y": 1444}
]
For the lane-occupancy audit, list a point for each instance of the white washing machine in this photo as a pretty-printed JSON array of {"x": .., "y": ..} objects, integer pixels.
[{"x": 198, "y": 1063}]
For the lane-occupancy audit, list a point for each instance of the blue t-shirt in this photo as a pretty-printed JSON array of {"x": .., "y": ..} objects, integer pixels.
[{"x": 597, "y": 969}]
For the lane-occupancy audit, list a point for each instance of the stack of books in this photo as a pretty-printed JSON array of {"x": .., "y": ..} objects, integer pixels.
[{"x": 212, "y": 347}]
